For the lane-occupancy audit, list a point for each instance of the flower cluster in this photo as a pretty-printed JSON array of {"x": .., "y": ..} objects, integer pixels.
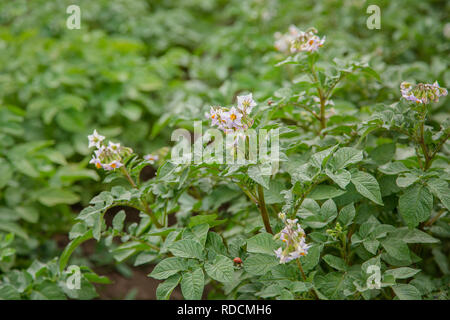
[
  {"x": 294, "y": 237},
  {"x": 298, "y": 41},
  {"x": 233, "y": 119},
  {"x": 107, "y": 157},
  {"x": 422, "y": 93}
]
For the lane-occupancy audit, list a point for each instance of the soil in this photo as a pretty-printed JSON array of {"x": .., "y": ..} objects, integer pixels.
[{"x": 144, "y": 286}]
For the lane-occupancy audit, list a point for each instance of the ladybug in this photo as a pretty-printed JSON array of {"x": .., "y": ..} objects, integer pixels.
[{"x": 237, "y": 260}]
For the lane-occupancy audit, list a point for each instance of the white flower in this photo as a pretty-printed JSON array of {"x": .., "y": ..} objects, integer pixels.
[
  {"x": 233, "y": 118},
  {"x": 95, "y": 139},
  {"x": 113, "y": 165},
  {"x": 293, "y": 236},
  {"x": 114, "y": 147},
  {"x": 214, "y": 115},
  {"x": 96, "y": 162},
  {"x": 151, "y": 158},
  {"x": 246, "y": 103}
]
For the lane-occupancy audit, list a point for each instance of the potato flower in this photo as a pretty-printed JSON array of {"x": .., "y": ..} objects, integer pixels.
[
  {"x": 422, "y": 93},
  {"x": 233, "y": 119},
  {"x": 293, "y": 236},
  {"x": 107, "y": 157},
  {"x": 298, "y": 41},
  {"x": 151, "y": 158},
  {"x": 95, "y": 139}
]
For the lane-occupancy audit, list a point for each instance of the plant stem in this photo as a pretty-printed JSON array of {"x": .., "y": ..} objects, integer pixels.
[
  {"x": 438, "y": 148},
  {"x": 323, "y": 100},
  {"x": 263, "y": 209},
  {"x": 299, "y": 264},
  {"x": 148, "y": 211},
  {"x": 435, "y": 218},
  {"x": 423, "y": 145}
]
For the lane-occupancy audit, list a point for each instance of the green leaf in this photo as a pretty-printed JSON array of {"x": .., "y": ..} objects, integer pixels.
[
  {"x": 214, "y": 242},
  {"x": 299, "y": 286},
  {"x": 65, "y": 256},
  {"x": 371, "y": 245},
  {"x": 221, "y": 269},
  {"x": 259, "y": 175},
  {"x": 440, "y": 189},
  {"x": 441, "y": 260},
  {"x": 406, "y": 292},
  {"x": 187, "y": 249},
  {"x": 312, "y": 258},
  {"x": 53, "y": 196},
  {"x": 6, "y": 172},
  {"x": 413, "y": 236},
  {"x": 273, "y": 195},
  {"x": 165, "y": 288},
  {"x": 403, "y": 272},
  {"x": 8, "y": 292},
  {"x": 393, "y": 168},
  {"x": 346, "y": 215},
  {"x": 192, "y": 284},
  {"x": 118, "y": 220},
  {"x": 259, "y": 264},
  {"x": 262, "y": 243},
  {"x": 406, "y": 179},
  {"x": 320, "y": 159},
  {"x": 341, "y": 177},
  {"x": 383, "y": 153},
  {"x": 205, "y": 218},
  {"x": 396, "y": 248},
  {"x": 335, "y": 262},
  {"x": 201, "y": 232},
  {"x": 367, "y": 186},
  {"x": 344, "y": 157},
  {"x": 47, "y": 290},
  {"x": 168, "y": 267},
  {"x": 322, "y": 192},
  {"x": 13, "y": 228},
  {"x": 415, "y": 205},
  {"x": 28, "y": 213}
]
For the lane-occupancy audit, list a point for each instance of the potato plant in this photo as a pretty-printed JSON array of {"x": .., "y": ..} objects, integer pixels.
[{"x": 351, "y": 196}]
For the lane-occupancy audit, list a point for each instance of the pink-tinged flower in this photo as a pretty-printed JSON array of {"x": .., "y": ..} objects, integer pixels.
[
  {"x": 246, "y": 103},
  {"x": 95, "y": 140},
  {"x": 214, "y": 116},
  {"x": 115, "y": 164},
  {"x": 151, "y": 158},
  {"x": 293, "y": 237},
  {"x": 96, "y": 162},
  {"x": 422, "y": 93},
  {"x": 233, "y": 118}
]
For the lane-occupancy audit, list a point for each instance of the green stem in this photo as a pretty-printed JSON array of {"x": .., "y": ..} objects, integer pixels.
[
  {"x": 323, "y": 100},
  {"x": 299, "y": 264},
  {"x": 148, "y": 211},
  {"x": 263, "y": 209},
  {"x": 423, "y": 145}
]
